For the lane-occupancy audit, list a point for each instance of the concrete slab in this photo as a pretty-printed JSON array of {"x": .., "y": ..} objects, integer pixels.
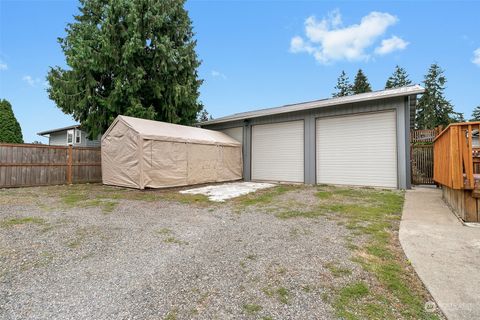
[
  {"x": 222, "y": 192},
  {"x": 444, "y": 252}
]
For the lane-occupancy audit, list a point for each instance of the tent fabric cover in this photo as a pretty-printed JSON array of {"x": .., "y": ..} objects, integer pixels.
[{"x": 141, "y": 153}]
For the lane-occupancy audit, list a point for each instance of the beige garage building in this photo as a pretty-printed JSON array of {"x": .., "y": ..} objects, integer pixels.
[{"x": 141, "y": 153}]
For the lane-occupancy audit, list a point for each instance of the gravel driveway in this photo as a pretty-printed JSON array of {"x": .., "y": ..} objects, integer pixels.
[{"x": 93, "y": 252}]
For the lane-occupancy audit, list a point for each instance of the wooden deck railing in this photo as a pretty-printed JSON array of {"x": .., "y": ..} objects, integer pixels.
[{"x": 454, "y": 156}]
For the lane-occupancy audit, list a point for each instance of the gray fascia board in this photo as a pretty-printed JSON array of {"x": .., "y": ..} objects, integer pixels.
[{"x": 363, "y": 97}]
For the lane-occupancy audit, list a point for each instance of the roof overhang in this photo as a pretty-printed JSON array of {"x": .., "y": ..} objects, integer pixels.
[
  {"x": 43, "y": 133},
  {"x": 357, "y": 98}
]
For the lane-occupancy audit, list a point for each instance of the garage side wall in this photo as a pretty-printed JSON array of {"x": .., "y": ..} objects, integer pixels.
[
  {"x": 120, "y": 162},
  {"x": 400, "y": 105}
]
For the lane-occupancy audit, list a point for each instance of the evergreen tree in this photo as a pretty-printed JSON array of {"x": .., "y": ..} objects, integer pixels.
[
  {"x": 398, "y": 79},
  {"x": 10, "y": 131},
  {"x": 204, "y": 116},
  {"x": 476, "y": 114},
  {"x": 126, "y": 57},
  {"x": 433, "y": 108},
  {"x": 343, "y": 87},
  {"x": 361, "y": 84}
]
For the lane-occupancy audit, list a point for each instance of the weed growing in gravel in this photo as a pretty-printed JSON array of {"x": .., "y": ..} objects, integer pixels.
[
  {"x": 269, "y": 292},
  {"x": 337, "y": 271},
  {"x": 307, "y": 288},
  {"x": 80, "y": 236},
  {"x": 198, "y": 199},
  {"x": 283, "y": 295},
  {"x": 82, "y": 200},
  {"x": 297, "y": 232},
  {"x": 264, "y": 197},
  {"x": 20, "y": 221},
  {"x": 299, "y": 214},
  {"x": 252, "y": 308},
  {"x": 172, "y": 315},
  {"x": 164, "y": 231},
  {"x": 174, "y": 240}
]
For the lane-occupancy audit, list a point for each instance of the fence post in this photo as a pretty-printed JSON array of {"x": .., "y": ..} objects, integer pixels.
[{"x": 69, "y": 164}]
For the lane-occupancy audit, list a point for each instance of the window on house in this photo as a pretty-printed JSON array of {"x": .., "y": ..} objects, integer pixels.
[
  {"x": 78, "y": 136},
  {"x": 69, "y": 137}
]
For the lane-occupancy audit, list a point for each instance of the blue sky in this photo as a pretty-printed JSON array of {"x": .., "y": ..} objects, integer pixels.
[{"x": 260, "y": 54}]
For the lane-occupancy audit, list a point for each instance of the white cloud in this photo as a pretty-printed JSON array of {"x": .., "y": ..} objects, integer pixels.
[
  {"x": 476, "y": 57},
  {"x": 33, "y": 82},
  {"x": 217, "y": 74},
  {"x": 392, "y": 44},
  {"x": 328, "y": 40},
  {"x": 3, "y": 66}
]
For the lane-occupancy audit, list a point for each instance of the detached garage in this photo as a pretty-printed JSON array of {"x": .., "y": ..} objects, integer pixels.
[
  {"x": 141, "y": 153},
  {"x": 359, "y": 140}
]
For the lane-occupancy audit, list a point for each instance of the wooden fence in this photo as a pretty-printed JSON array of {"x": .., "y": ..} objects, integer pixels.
[{"x": 23, "y": 165}]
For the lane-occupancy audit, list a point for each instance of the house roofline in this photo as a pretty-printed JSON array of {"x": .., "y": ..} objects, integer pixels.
[
  {"x": 43, "y": 133},
  {"x": 362, "y": 97}
]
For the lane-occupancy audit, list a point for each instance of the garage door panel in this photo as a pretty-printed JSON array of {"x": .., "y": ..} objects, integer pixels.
[
  {"x": 277, "y": 151},
  {"x": 357, "y": 150}
]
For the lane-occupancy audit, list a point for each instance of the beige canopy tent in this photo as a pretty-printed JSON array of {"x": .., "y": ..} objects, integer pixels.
[{"x": 141, "y": 153}]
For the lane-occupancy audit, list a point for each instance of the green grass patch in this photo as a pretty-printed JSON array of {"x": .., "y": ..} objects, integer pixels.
[
  {"x": 337, "y": 271},
  {"x": 307, "y": 288},
  {"x": 283, "y": 295},
  {"x": 289, "y": 214},
  {"x": 373, "y": 216},
  {"x": 20, "y": 221},
  {"x": 172, "y": 315},
  {"x": 174, "y": 240},
  {"x": 80, "y": 236},
  {"x": 324, "y": 194},
  {"x": 164, "y": 231},
  {"x": 348, "y": 301},
  {"x": 264, "y": 197},
  {"x": 252, "y": 257},
  {"x": 252, "y": 308},
  {"x": 197, "y": 199}
]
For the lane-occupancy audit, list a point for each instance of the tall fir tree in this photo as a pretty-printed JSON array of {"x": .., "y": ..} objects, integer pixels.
[
  {"x": 10, "y": 130},
  {"x": 476, "y": 114},
  {"x": 398, "y": 79},
  {"x": 433, "y": 108},
  {"x": 204, "y": 116},
  {"x": 361, "y": 84},
  {"x": 343, "y": 87},
  {"x": 126, "y": 57}
]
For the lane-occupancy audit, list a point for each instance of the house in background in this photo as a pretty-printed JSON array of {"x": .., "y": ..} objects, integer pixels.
[{"x": 69, "y": 136}]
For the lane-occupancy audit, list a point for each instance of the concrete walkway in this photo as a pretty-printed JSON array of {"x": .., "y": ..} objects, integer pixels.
[{"x": 445, "y": 254}]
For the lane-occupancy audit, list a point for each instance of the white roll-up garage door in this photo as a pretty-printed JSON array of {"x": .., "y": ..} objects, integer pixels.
[
  {"x": 235, "y": 133},
  {"x": 277, "y": 151},
  {"x": 357, "y": 149}
]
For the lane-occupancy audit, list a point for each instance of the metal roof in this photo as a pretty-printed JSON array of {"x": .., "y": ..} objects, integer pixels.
[
  {"x": 362, "y": 97},
  {"x": 75, "y": 126}
]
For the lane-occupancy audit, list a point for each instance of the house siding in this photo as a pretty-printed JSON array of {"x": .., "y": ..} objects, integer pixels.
[
  {"x": 60, "y": 139},
  {"x": 400, "y": 104}
]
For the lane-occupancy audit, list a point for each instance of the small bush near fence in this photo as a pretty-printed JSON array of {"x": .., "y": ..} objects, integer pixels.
[{"x": 24, "y": 165}]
